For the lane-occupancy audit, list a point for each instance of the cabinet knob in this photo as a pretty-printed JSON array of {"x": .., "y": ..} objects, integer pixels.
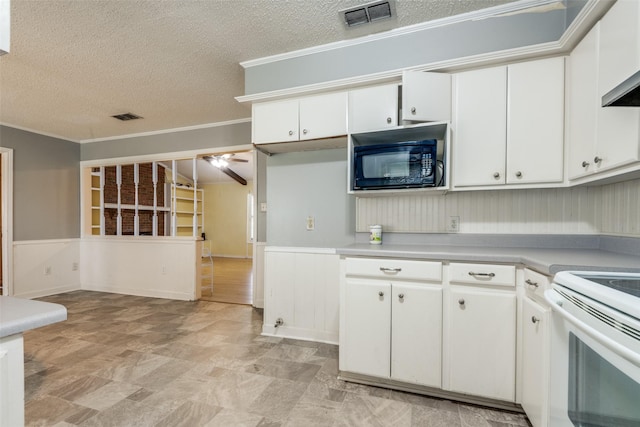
[
  {"x": 388, "y": 119},
  {"x": 585, "y": 164},
  {"x": 380, "y": 294},
  {"x": 461, "y": 302},
  {"x": 518, "y": 174},
  {"x": 496, "y": 175},
  {"x": 413, "y": 110},
  {"x": 597, "y": 160},
  {"x": 531, "y": 283},
  {"x": 290, "y": 132},
  {"x": 304, "y": 131},
  {"x": 534, "y": 320},
  {"x": 400, "y": 297}
]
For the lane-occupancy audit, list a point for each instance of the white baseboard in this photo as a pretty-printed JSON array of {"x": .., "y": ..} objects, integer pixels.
[
  {"x": 47, "y": 291},
  {"x": 300, "y": 334},
  {"x": 138, "y": 292}
]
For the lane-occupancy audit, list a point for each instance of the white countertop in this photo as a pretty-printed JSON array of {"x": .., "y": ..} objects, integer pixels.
[
  {"x": 18, "y": 315},
  {"x": 549, "y": 261}
]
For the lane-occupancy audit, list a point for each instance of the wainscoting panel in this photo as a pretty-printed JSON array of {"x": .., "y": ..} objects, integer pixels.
[
  {"x": 151, "y": 267},
  {"x": 537, "y": 211},
  {"x": 620, "y": 209},
  {"x": 45, "y": 267},
  {"x": 302, "y": 288}
]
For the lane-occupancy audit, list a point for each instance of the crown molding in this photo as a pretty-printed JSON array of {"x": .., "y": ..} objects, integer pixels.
[
  {"x": 50, "y": 135},
  {"x": 496, "y": 11},
  {"x": 163, "y": 131}
]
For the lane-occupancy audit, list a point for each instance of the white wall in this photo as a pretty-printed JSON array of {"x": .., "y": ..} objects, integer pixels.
[
  {"x": 302, "y": 288},
  {"x": 33, "y": 259},
  {"x": 610, "y": 209},
  {"x": 151, "y": 267}
]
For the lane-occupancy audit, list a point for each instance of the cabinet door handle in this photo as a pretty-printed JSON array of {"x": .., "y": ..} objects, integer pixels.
[
  {"x": 304, "y": 131},
  {"x": 400, "y": 297},
  {"x": 530, "y": 283},
  {"x": 380, "y": 294},
  {"x": 534, "y": 320},
  {"x": 290, "y": 132},
  {"x": 585, "y": 164},
  {"x": 388, "y": 119},
  {"x": 496, "y": 175},
  {"x": 390, "y": 270},
  {"x": 461, "y": 302},
  {"x": 471, "y": 273},
  {"x": 518, "y": 174},
  {"x": 413, "y": 110},
  {"x": 597, "y": 160}
]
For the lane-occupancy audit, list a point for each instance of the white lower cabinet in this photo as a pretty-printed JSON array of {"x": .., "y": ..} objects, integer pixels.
[
  {"x": 365, "y": 347},
  {"x": 390, "y": 328},
  {"x": 399, "y": 322},
  {"x": 535, "y": 361},
  {"x": 416, "y": 334},
  {"x": 482, "y": 342}
]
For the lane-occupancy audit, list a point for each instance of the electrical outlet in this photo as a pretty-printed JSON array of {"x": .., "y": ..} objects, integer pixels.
[
  {"x": 164, "y": 269},
  {"x": 311, "y": 223},
  {"x": 453, "y": 226},
  {"x": 47, "y": 270},
  {"x": 74, "y": 266}
]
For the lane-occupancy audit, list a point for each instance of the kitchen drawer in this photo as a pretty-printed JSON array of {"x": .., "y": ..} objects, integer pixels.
[
  {"x": 536, "y": 283},
  {"x": 482, "y": 274},
  {"x": 397, "y": 269}
]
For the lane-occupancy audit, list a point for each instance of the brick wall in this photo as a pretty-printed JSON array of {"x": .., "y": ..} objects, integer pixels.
[{"x": 127, "y": 197}]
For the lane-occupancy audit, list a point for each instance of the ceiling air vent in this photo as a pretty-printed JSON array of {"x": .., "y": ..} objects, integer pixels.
[
  {"x": 366, "y": 13},
  {"x": 126, "y": 117}
]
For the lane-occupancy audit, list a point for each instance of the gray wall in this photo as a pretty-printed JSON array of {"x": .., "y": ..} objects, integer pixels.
[
  {"x": 414, "y": 49},
  {"x": 46, "y": 185},
  {"x": 211, "y": 137},
  {"x": 311, "y": 183}
]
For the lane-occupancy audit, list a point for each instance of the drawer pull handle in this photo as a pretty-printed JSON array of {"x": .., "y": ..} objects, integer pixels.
[
  {"x": 471, "y": 273},
  {"x": 530, "y": 283},
  {"x": 390, "y": 270},
  {"x": 380, "y": 294},
  {"x": 534, "y": 320},
  {"x": 461, "y": 302},
  {"x": 401, "y": 296}
]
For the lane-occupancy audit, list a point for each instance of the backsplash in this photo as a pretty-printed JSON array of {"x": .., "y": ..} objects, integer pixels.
[{"x": 610, "y": 209}]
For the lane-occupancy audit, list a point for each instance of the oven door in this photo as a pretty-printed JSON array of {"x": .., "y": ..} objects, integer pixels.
[{"x": 595, "y": 363}]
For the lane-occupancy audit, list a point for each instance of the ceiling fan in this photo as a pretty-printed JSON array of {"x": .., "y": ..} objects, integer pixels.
[{"x": 222, "y": 162}]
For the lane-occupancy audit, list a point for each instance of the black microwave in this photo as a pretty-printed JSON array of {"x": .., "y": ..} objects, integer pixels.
[{"x": 396, "y": 165}]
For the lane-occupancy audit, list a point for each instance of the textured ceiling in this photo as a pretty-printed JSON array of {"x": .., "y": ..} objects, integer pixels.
[{"x": 74, "y": 63}]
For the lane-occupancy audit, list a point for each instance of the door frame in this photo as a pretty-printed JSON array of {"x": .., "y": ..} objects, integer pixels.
[{"x": 6, "y": 157}]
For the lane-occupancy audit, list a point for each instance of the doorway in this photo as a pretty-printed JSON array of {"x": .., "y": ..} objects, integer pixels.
[{"x": 227, "y": 184}]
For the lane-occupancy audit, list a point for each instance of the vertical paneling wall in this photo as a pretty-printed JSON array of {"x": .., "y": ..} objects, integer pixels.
[{"x": 610, "y": 209}]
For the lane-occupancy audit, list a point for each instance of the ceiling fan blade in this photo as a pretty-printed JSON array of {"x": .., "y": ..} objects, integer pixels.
[{"x": 234, "y": 175}]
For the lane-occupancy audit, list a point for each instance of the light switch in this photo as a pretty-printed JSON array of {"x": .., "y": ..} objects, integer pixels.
[
  {"x": 311, "y": 223},
  {"x": 263, "y": 207}
]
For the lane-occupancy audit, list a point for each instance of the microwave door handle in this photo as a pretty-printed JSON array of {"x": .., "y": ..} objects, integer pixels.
[{"x": 554, "y": 300}]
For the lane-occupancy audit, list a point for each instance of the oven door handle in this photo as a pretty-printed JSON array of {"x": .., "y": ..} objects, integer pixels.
[{"x": 555, "y": 301}]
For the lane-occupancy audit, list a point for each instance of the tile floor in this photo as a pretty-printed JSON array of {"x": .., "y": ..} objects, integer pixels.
[{"x": 132, "y": 361}]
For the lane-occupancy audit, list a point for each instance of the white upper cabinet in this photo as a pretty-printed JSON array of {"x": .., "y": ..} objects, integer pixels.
[
  {"x": 312, "y": 117},
  {"x": 426, "y": 97},
  {"x": 535, "y": 130},
  {"x": 479, "y": 127},
  {"x": 323, "y": 116},
  {"x": 582, "y": 105},
  {"x": 603, "y": 138},
  {"x": 275, "y": 121},
  {"x": 619, "y": 58},
  {"x": 373, "y": 108},
  {"x": 508, "y": 124}
]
